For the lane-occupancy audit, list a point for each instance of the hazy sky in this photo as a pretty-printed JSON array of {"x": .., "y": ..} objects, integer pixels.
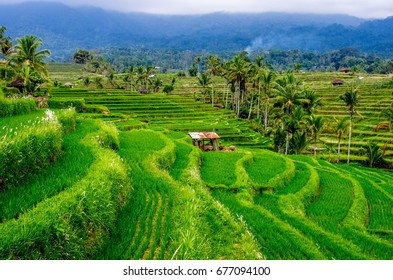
[{"x": 360, "y": 8}]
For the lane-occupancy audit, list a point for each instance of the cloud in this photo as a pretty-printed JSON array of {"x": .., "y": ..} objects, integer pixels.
[{"x": 360, "y": 8}]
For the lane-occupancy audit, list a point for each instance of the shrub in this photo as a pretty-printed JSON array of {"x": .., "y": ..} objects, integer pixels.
[
  {"x": 16, "y": 106},
  {"x": 60, "y": 103}
]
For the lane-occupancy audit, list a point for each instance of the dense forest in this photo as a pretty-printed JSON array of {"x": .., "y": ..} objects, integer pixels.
[
  {"x": 64, "y": 29},
  {"x": 279, "y": 60}
]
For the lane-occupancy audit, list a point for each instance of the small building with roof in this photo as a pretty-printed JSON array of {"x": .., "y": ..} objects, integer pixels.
[
  {"x": 337, "y": 82},
  {"x": 199, "y": 138},
  {"x": 18, "y": 83},
  {"x": 345, "y": 70}
]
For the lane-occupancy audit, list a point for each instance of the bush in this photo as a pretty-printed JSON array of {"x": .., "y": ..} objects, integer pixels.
[
  {"x": 59, "y": 103},
  {"x": 29, "y": 150},
  {"x": 16, "y": 106}
]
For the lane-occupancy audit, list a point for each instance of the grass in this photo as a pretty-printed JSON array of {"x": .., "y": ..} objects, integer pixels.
[
  {"x": 218, "y": 168},
  {"x": 74, "y": 223},
  {"x": 74, "y": 164},
  {"x": 333, "y": 202}
]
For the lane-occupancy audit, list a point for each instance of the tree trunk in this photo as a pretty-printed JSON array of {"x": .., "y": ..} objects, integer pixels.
[
  {"x": 212, "y": 93},
  {"x": 338, "y": 149},
  {"x": 349, "y": 137},
  {"x": 249, "y": 113},
  {"x": 287, "y": 144},
  {"x": 266, "y": 111},
  {"x": 259, "y": 101},
  {"x": 315, "y": 148},
  {"x": 226, "y": 101}
]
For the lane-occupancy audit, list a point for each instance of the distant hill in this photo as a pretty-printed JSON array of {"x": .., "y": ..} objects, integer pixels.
[{"x": 65, "y": 29}]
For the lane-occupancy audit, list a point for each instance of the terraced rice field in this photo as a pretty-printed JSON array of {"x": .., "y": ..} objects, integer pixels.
[{"x": 142, "y": 191}]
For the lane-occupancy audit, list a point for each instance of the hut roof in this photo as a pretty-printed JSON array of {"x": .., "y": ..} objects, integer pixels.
[
  {"x": 203, "y": 135},
  {"x": 68, "y": 84},
  {"x": 337, "y": 82},
  {"x": 345, "y": 70},
  {"x": 18, "y": 83}
]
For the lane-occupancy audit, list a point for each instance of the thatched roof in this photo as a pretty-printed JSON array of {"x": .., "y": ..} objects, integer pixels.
[
  {"x": 18, "y": 83},
  {"x": 337, "y": 82},
  {"x": 203, "y": 135},
  {"x": 345, "y": 70}
]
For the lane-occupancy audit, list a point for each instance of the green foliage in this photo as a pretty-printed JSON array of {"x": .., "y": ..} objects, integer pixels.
[
  {"x": 16, "y": 106},
  {"x": 81, "y": 57},
  {"x": 95, "y": 108},
  {"x": 75, "y": 223},
  {"x": 108, "y": 136},
  {"x": 29, "y": 149},
  {"x": 64, "y": 103},
  {"x": 218, "y": 168},
  {"x": 374, "y": 154},
  {"x": 67, "y": 171},
  {"x": 67, "y": 119}
]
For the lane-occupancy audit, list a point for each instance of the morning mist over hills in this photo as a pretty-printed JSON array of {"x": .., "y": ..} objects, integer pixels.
[{"x": 65, "y": 29}]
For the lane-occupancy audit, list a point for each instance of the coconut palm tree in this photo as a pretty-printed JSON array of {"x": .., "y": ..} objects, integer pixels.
[
  {"x": 27, "y": 52},
  {"x": 214, "y": 67},
  {"x": 268, "y": 79},
  {"x": 374, "y": 154},
  {"x": 315, "y": 126},
  {"x": 312, "y": 101},
  {"x": 259, "y": 67},
  {"x": 292, "y": 123},
  {"x": 239, "y": 71},
  {"x": 289, "y": 93},
  {"x": 204, "y": 80},
  {"x": 340, "y": 128},
  {"x": 351, "y": 99}
]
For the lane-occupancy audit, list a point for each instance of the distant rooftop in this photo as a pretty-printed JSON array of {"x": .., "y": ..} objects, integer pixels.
[{"x": 203, "y": 135}]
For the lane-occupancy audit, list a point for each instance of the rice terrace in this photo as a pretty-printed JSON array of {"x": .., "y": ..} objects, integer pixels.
[{"x": 230, "y": 158}]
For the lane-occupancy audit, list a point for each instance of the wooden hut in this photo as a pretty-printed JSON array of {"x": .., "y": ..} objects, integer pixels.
[
  {"x": 18, "y": 83},
  {"x": 199, "y": 138},
  {"x": 337, "y": 82},
  {"x": 69, "y": 85},
  {"x": 345, "y": 70}
]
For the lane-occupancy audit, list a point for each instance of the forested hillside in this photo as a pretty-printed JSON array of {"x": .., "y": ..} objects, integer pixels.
[{"x": 65, "y": 29}]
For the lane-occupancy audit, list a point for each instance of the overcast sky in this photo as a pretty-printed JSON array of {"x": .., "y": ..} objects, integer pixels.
[{"x": 360, "y": 8}]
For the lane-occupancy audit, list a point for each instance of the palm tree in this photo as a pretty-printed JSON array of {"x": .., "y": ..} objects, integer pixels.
[
  {"x": 27, "y": 52},
  {"x": 340, "y": 128},
  {"x": 315, "y": 126},
  {"x": 351, "y": 99},
  {"x": 214, "y": 67},
  {"x": 204, "y": 80},
  {"x": 98, "y": 82},
  {"x": 268, "y": 79},
  {"x": 292, "y": 123},
  {"x": 86, "y": 81},
  {"x": 374, "y": 154},
  {"x": 238, "y": 71},
  {"x": 312, "y": 101},
  {"x": 259, "y": 67},
  {"x": 289, "y": 93}
]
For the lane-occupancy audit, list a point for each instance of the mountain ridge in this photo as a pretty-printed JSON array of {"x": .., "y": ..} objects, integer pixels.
[{"x": 65, "y": 29}]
